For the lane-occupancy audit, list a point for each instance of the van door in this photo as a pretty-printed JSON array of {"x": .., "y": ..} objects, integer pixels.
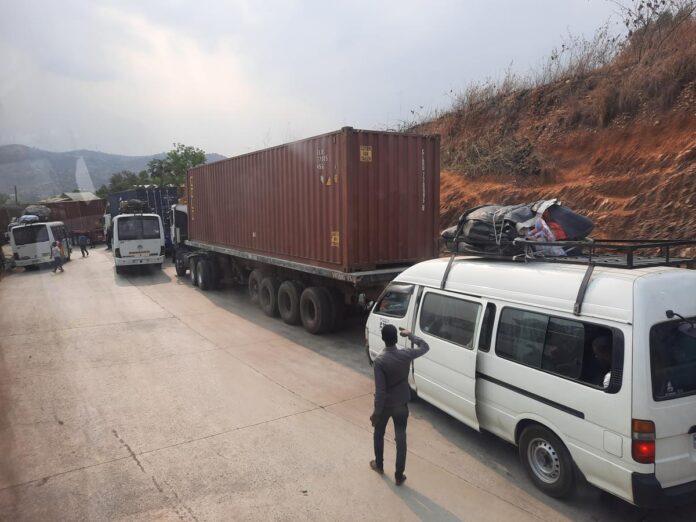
[
  {"x": 446, "y": 375},
  {"x": 393, "y": 307},
  {"x": 673, "y": 373}
]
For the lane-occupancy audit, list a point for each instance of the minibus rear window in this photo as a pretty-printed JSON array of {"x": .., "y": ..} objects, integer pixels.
[
  {"x": 672, "y": 361},
  {"x": 138, "y": 227},
  {"x": 30, "y": 235}
]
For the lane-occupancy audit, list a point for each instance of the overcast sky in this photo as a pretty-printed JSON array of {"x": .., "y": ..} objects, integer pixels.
[{"x": 131, "y": 77}]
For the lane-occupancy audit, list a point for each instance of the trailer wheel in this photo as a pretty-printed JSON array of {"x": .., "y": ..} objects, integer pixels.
[
  {"x": 204, "y": 274},
  {"x": 180, "y": 266},
  {"x": 289, "y": 294},
  {"x": 268, "y": 296},
  {"x": 337, "y": 308},
  {"x": 193, "y": 276},
  {"x": 254, "y": 283},
  {"x": 316, "y": 310}
]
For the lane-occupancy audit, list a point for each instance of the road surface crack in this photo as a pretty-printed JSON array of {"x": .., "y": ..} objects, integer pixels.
[{"x": 132, "y": 453}]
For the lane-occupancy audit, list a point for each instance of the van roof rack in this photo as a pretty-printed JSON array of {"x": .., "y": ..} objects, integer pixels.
[{"x": 617, "y": 253}]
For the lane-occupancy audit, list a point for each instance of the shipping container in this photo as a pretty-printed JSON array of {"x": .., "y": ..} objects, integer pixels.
[
  {"x": 314, "y": 228},
  {"x": 348, "y": 200}
]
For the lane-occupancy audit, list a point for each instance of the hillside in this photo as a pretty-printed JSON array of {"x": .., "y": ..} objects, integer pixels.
[
  {"x": 614, "y": 138},
  {"x": 38, "y": 173}
]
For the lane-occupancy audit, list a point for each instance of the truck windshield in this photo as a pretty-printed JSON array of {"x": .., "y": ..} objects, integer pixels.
[
  {"x": 138, "y": 227},
  {"x": 673, "y": 361},
  {"x": 30, "y": 234}
]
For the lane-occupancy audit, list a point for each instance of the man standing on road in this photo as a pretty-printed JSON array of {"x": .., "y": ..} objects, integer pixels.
[
  {"x": 57, "y": 257},
  {"x": 82, "y": 241},
  {"x": 391, "y": 396}
]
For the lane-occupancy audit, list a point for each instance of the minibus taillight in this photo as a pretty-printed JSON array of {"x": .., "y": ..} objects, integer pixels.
[{"x": 643, "y": 443}]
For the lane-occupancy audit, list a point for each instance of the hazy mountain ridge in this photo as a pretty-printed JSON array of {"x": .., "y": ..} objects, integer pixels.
[{"x": 39, "y": 173}]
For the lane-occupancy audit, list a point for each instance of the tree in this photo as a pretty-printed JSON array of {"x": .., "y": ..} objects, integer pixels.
[
  {"x": 159, "y": 169},
  {"x": 123, "y": 180},
  {"x": 4, "y": 198},
  {"x": 181, "y": 158}
]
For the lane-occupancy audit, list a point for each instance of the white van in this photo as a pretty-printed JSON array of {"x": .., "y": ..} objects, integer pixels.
[
  {"x": 31, "y": 243},
  {"x": 600, "y": 379},
  {"x": 138, "y": 239}
]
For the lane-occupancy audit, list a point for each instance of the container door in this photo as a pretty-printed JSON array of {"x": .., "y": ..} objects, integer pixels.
[
  {"x": 446, "y": 375},
  {"x": 392, "y": 307}
]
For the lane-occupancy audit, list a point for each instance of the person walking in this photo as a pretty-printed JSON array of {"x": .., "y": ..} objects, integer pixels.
[
  {"x": 57, "y": 257},
  {"x": 391, "y": 396},
  {"x": 82, "y": 241}
]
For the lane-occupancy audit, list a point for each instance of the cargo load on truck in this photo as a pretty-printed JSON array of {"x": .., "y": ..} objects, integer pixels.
[{"x": 315, "y": 228}]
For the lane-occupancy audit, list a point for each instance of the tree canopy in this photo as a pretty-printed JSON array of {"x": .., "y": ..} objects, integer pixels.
[{"x": 170, "y": 171}]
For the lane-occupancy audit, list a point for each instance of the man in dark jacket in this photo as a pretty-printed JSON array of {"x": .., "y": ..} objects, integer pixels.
[
  {"x": 391, "y": 396},
  {"x": 82, "y": 241}
]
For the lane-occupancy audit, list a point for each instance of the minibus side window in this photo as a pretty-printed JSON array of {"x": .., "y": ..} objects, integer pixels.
[
  {"x": 576, "y": 350},
  {"x": 394, "y": 301},
  {"x": 487, "y": 328},
  {"x": 450, "y": 318}
]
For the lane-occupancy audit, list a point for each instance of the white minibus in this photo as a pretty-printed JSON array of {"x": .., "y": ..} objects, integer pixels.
[
  {"x": 590, "y": 373},
  {"x": 31, "y": 243},
  {"x": 138, "y": 239}
]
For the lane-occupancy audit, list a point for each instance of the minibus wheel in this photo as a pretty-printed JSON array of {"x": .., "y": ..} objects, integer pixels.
[{"x": 547, "y": 461}]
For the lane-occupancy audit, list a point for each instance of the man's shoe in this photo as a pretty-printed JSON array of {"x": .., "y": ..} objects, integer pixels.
[
  {"x": 376, "y": 468},
  {"x": 400, "y": 480}
]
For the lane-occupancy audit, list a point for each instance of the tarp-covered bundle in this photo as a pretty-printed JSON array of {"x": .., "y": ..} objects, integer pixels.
[
  {"x": 41, "y": 212},
  {"x": 492, "y": 229},
  {"x": 133, "y": 206}
]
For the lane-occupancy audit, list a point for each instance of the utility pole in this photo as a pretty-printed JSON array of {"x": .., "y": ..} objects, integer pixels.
[{"x": 16, "y": 200}]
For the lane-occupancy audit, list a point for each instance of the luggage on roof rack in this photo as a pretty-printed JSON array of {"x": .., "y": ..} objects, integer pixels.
[{"x": 493, "y": 229}]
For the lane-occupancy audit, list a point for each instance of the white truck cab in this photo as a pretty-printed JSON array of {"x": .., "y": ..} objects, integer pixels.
[
  {"x": 138, "y": 239},
  {"x": 608, "y": 388}
]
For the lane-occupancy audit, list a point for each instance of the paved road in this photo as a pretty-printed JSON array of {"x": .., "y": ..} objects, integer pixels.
[{"x": 141, "y": 398}]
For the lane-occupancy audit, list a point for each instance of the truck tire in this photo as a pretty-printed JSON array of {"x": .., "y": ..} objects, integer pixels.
[
  {"x": 316, "y": 310},
  {"x": 289, "y": 294},
  {"x": 547, "y": 461},
  {"x": 180, "y": 266},
  {"x": 204, "y": 274},
  {"x": 254, "y": 284},
  {"x": 193, "y": 276},
  {"x": 337, "y": 308},
  {"x": 119, "y": 270},
  {"x": 268, "y": 296}
]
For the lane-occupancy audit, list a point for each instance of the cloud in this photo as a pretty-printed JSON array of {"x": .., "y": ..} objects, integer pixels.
[{"x": 133, "y": 77}]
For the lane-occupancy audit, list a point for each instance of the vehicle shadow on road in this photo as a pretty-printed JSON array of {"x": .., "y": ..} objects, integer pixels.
[{"x": 141, "y": 276}]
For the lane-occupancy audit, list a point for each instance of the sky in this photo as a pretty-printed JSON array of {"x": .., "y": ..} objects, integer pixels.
[{"x": 133, "y": 77}]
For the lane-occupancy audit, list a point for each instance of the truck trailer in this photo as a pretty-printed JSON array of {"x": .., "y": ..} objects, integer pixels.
[{"x": 313, "y": 227}]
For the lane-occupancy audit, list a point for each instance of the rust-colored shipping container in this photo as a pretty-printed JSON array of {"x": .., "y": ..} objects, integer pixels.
[
  {"x": 348, "y": 200},
  {"x": 79, "y": 216}
]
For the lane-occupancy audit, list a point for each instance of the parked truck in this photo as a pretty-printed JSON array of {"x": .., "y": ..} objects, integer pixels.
[{"x": 315, "y": 226}]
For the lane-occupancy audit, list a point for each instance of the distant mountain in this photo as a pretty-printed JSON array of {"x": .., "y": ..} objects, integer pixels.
[{"x": 39, "y": 173}]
